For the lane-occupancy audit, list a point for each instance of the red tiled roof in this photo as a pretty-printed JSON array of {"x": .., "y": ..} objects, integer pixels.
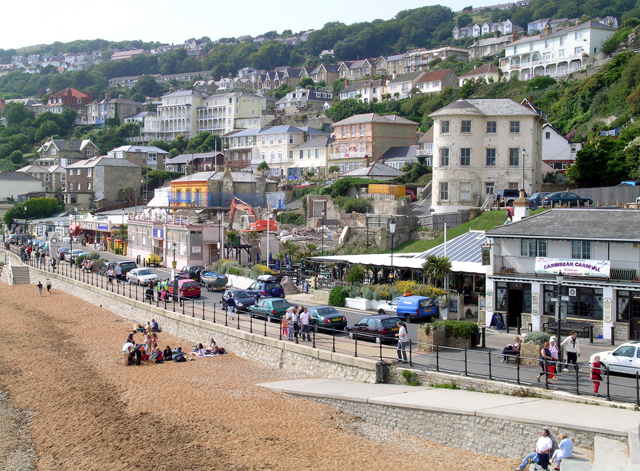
[{"x": 75, "y": 93}]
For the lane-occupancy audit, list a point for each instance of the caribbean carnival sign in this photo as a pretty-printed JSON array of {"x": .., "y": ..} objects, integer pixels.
[{"x": 573, "y": 267}]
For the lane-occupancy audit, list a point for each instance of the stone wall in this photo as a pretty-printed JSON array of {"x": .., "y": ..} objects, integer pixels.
[
  {"x": 280, "y": 354},
  {"x": 439, "y": 337},
  {"x": 509, "y": 439}
]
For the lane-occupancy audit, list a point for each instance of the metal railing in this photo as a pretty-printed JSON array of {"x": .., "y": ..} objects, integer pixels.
[{"x": 478, "y": 363}]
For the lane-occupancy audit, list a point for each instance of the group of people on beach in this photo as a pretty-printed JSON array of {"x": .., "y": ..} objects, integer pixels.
[
  {"x": 47, "y": 283},
  {"x": 136, "y": 353}
]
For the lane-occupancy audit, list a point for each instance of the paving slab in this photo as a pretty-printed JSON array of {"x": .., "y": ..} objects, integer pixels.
[
  {"x": 345, "y": 390},
  {"x": 598, "y": 419},
  {"x": 446, "y": 400},
  {"x": 610, "y": 455}
]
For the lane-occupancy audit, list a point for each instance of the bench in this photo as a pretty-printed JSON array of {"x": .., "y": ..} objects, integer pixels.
[{"x": 551, "y": 326}]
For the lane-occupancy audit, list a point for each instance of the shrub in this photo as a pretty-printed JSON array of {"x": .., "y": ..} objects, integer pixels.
[
  {"x": 80, "y": 259},
  {"x": 258, "y": 270},
  {"x": 356, "y": 205},
  {"x": 368, "y": 293},
  {"x": 538, "y": 337},
  {"x": 93, "y": 255},
  {"x": 410, "y": 378},
  {"x": 454, "y": 328},
  {"x": 338, "y": 297},
  {"x": 355, "y": 274},
  {"x": 376, "y": 295}
]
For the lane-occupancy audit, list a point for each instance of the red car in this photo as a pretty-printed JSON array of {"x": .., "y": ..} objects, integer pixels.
[{"x": 187, "y": 288}]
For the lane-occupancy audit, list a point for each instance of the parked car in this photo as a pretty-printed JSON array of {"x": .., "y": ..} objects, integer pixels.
[
  {"x": 327, "y": 317},
  {"x": 243, "y": 299},
  {"x": 410, "y": 308},
  {"x": 187, "y": 288},
  {"x": 193, "y": 271},
  {"x": 270, "y": 308},
  {"x": 152, "y": 259},
  {"x": 624, "y": 359},
  {"x": 535, "y": 200},
  {"x": 378, "y": 328},
  {"x": 126, "y": 265},
  {"x": 412, "y": 196},
  {"x": 213, "y": 280},
  {"x": 506, "y": 197},
  {"x": 141, "y": 276},
  {"x": 562, "y": 198},
  {"x": 62, "y": 251},
  {"x": 266, "y": 286}
]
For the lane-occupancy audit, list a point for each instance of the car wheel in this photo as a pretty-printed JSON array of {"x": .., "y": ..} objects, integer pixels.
[
  {"x": 351, "y": 335},
  {"x": 556, "y": 204},
  {"x": 269, "y": 318},
  {"x": 585, "y": 203},
  {"x": 408, "y": 318},
  {"x": 378, "y": 340},
  {"x": 198, "y": 296},
  {"x": 381, "y": 312}
]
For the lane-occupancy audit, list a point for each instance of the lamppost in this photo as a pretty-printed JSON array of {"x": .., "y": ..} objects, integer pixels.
[
  {"x": 219, "y": 216},
  {"x": 559, "y": 280},
  {"x": 367, "y": 216},
  {"x": 25, "y": 219},
  {"x": 174, "y": 279},
  {"x": 392, "y": 229},
  {"x": 523, "y": 153},
  {"x": 269, "y": 217},
  {"x": 322, "y": 231}
]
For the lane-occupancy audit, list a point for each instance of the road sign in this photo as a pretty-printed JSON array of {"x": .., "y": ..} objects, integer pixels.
[
  {"x": 174, "y": 264},
  {"x": 566, "y": 298}
]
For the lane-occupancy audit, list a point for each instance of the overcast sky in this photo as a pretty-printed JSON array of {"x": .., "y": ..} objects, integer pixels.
[{"x": 168, "y": 21}]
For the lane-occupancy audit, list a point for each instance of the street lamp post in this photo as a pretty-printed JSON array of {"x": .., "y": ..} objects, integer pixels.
[
  {"x": 392, "y": 229},
  {"x": 268, "y": 246},
  {"x": 559, "y": 279},
  {"x": 73, "y": 222},
  {"x": 174, "y": 279},
  {"x": 367, "y": 216},
  {"x": 322, "y": 231},
  {"x": 220, "y": 246},
  {"x": 523, "y": 153},
  {"x": 25, "y": 219}
]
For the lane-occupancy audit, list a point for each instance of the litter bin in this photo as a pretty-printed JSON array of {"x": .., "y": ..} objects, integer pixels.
[
  {"x": 475, "y": 339},
  {"x": 382, "y": 370}
]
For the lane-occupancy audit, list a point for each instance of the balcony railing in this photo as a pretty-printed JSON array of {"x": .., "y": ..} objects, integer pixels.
[
  {"x": 347, "y": 155},
  {"x": 514, "y": 265}
]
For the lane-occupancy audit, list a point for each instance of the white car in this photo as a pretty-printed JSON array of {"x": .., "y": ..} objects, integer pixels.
[
  {"x": 390, "y": 308},
  {"x": 624, "y": 359},
  {"x": 141, "y": 276}
]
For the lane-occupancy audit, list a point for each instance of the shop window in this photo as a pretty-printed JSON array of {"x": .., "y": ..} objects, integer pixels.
[
  {"x": 533, "y": 248},
  {"x": 628, "y": 305},
  {"x": 583, "y": 302}
]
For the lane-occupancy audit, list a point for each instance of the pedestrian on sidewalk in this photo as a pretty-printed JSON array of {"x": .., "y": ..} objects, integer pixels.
[
  {"x": 571, "y": 346},
  {"x": 304, "y": 321},
  {"x": 48, "y": 283},
  {"x": 553, "y": 366},
  {"x": 231, "y": 303},
  {"x": 545, "y": 358},
  {"x": 292, "y": 319},
  {"x": 540, "y": 452},
  {"x": 39, "y": 285},
  {"x": 284, "y": 325},
  {"x": 596, "y": 374},
  {"x": 402, "y": 340}
]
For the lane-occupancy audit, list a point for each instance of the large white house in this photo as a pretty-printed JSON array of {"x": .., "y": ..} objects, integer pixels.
[
  {"x": 480, "y": 146},
  {"x": 554, "y": 54},
  {"x": 557, "y": 151}
]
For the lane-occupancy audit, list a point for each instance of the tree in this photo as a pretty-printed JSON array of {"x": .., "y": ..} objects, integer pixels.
[
  {"x": 263, "y": 167},
  {"x": 334, "y": 169},
  {"x": 139, "y": 97},
  {"x": 36, "y": 208},
  {"x": 46, "y": 129},
  {"x": 601, "y": 163},
  {"x": 148, "y": 86},
  {"x": 464, "y": 20},
  {"x": 306, "y": 82},
  {"x": 343, "y": 109},
  {"x": 16, "y": 157},
  {"x": 16, "y": 114},
  {"x": 337, "y": 86},
  {"x": 174, "y": 153},
  {"x": 436, "y": 268}
]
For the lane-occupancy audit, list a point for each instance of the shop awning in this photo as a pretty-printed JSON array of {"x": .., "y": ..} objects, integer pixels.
[{"x": 74, "y": 229}]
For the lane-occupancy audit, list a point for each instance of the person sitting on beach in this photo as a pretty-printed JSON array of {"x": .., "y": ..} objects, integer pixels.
[
  {"x": 178, "y": 355},
  {"x": 154, "y": 326},
  {"x": 565, "y": 450},
  {"x": 213, "y": 349},
  {"x": 129, "y": 356},
  {"x": 167, "y": 354},
  {"x": 199, "y": 352},
  {"x": 513, "y": 350}
]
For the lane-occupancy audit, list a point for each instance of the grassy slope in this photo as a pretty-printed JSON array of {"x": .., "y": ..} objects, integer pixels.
[{"x": 484, "y": 222}]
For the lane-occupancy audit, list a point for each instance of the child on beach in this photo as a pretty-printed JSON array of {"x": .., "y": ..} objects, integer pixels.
[{"x": 285, "y": 329}]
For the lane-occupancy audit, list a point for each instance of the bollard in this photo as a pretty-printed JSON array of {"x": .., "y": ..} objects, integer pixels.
[
  {"x": 437, "y": 358},
  {"x": 612, "y": 339},
  {"x": 490, "y": 376},
  {"x": 265, "y": 326},
  {"x": 518, "y": 321},
  {"x": 410, "y": 354},
  {"x": 214, "y": 313},
  {"x": 483, "y": 337},
  {"x": 591, "y": 334},
  {"x": 466, "y": 373}
]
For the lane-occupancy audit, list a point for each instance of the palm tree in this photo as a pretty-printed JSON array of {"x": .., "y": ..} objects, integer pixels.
[{"x": 436, "y": 268}]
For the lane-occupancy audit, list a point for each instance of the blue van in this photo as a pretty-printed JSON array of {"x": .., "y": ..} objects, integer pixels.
[{"x": 411, "y": 308}]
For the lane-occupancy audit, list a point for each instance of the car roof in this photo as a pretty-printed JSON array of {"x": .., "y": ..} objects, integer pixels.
[
  {"x": 415, "y": 296},
  {"x": 381, "y": 317}
]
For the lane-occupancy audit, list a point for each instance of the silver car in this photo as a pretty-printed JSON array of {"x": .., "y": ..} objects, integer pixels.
[{"x": 141, "y": 276}]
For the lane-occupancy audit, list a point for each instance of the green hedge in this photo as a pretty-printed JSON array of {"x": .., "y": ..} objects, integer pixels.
[
  {"x": 338, "y": 296},
  {"x": 455, "y": 329}
]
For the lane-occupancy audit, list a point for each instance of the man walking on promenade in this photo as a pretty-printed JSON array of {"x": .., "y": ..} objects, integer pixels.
[
  {"x": 402, "y": 340},
  {"x": 231, "y": 303},
  {"x": 304, "y": 320},
  {"x": 570, "y": 345}
]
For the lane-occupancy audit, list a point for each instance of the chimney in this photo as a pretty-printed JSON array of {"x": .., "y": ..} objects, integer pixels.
[
  {"x": 107, "y": 96},
  {"x": 578, "y": 21},
  {"x": 521, "y": 207},
  {"x": 496, "y": 34},
  {"x": 547, "y": 30},
  {"x": 89, "y": 96},
  {"x": 120, "y": 97},
  {"x": 531, "y": 99},
  {"x": 366, "y": 161}
]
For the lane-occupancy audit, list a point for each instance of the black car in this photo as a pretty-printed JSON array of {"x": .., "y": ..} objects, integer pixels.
[
  {"x": 243, "y": 299},
  {"x": 565, "y": 198},
  {"x": 193, "y": 271},
  {"x": 327, "y": 318},
  {"x": 378, "y": 328}
]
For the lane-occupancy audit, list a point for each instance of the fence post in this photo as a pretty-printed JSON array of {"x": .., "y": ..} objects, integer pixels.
[
  {"x": 193, "y": 307},
  {"x": 265, "y": 326},
  {"x": 250, "y": 323},
  {"x": 608, "y": 386},
  {"x": 518, "y": 370},
  {"x": 238, "y": 316},
  {"x": 410, "y": 355},
  {"x": 380, "y": 345},
  {"x": 465, "y": 363},
  {"x": 546, "y": 374},
  {"x": 437, "y": 358},
  {"x": 333, "y": 349},
  {"x": 315, "y": 328},
  {"x": 214, "y": 312},
  {"x": 490, "y": 376},
  {"x": 577, "y": 382},
  {"x": 226, "y": 319},
  {"x": 637, "y": 388},
  {"x": 355, "y": 348},
  {"x": 203, "y": 309}
]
